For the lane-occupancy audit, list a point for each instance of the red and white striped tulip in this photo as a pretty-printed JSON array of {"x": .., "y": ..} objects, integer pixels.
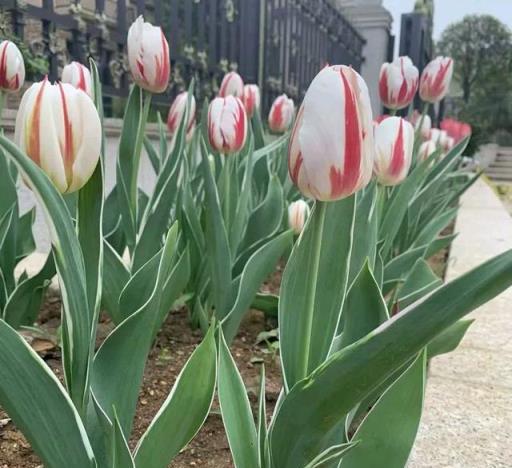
[
  {"x": 252, "y": 99},
  {"x": 426, "y": 149},
  {"x": 79, "y": 76},
  {"x": 456, "y": 129},
  {"x": 298, "y": 213},
  {"x": 227, "y": 124},
  {"x": 281, "y": 114},
  {"x": 232, "y": 85},
  {"x": 148, "y": 56},
  {"x": 58, "y": 127},
  {"x": 394, "y": 142},
  {"x": 398, "y": 83},
  {"x": 12, "y": 67},
  {"x": 435, "y": 79},
  {"x": 331, "y": 150},
  {"x": 177, "y": 111}
]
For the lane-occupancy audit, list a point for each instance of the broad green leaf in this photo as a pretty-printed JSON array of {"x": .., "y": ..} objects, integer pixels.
[
  {"x": 439, "y": 244},
  {"x": 267, "y": 303},
  {"x": 39, "y": 406},
  {"x": 153, "y": 157},
  {"x": 115, "y": 278},
  {"x": 122, "y": 356},
  {"x": 70, "y": 267},
  {"x": 364, "y": 309},
  {"x": 434, "y": 227},
  {"x": 262, "y": 421},
  {"x": 331, "y": 456},
  {"x": 420, "y": 281},
  {"x": 449, "y": 339},
  {"x": 24, "y": 303},
  {"x": 236, "y": 410},
  {"x": 387, "y": 433},
  {"x": 257, "y": 128},
  {"x": 121, "y": 456},
  {"x": 454, "y": 153},
  {"x": 316, "y": 404},
  {"x": 257, "y": 269},
  {"x": 184, "y": 411},
  {"x": 313, "y": 288},
  {"x": 398, "y": 268},
  {"x": 217, "y": 244},
  {"x": 26, "y": 243}
]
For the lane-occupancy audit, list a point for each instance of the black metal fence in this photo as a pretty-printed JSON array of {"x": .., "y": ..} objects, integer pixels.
[{"x": 279, "y": 44}]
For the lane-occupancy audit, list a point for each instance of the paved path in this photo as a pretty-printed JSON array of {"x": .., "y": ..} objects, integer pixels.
[{"x": 467, "y": 421}]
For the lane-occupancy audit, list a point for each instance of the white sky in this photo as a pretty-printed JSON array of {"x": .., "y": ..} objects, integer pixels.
[{"x": 450, "y": 11}]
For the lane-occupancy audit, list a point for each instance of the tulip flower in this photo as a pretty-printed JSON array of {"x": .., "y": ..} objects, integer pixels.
[
  {"x": 448, "y": 144},
  {"x": 281, "y": 114},
  {"x": 148, "y": 56},
  {"x": 78, "y": 76},
  {"x": 423, "y": 124},
  {"x": 252, "y": 99},
  {"x": 12, "y": 67},
  {"x": 331, "y": 150},
  {"x": 398, "y": 83},
  {"x": 298, "y": 212},
  {"x": 394, "y": 142},
  {"x": 455, "y": 129},
  {"x": 58, "y": 127},
  {"x": 427, "y": 148},
  {"x": 227, "y": 124},
  {"x": 435, "y": 79},
  {"x": 177, "y": 111},
  {"x": 232, "y": 85}
]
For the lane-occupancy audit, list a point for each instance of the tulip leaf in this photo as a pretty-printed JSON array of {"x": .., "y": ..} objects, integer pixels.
[
  {"x": 121, "y": 456},
  {"x": 261, "y": 264},
  {"x": 39, "y": 406},
  {"x": 454, "y": 153},
  {"x": 69, "y": 263},
  {"x": 313, "y": 288},
  {"x": 236, "y": 411},
  {"x": 184, "y": 411},
  {"x": 434, "y": 227},
  {"x": 398, "y": 268},
  {"x": 439, "y": 244},
  {"x": 262, "y": 421},
  {"x": 331, "y": 456},
  {"x": 316, "y": 404},
  {"x": 398, "y": 408},
  {"x": 26, "y": 243},
  {"x": 449, "y": 339},
  {"x": 420, "y": 281}
]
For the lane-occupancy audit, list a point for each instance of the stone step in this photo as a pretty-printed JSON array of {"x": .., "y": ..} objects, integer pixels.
[
  {"x": 504, "y": 176},
  {"x": 501, "y": 164}
]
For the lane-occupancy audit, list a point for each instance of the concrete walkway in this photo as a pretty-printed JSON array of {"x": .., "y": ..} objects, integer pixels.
[{"x": 467, "y": 421}]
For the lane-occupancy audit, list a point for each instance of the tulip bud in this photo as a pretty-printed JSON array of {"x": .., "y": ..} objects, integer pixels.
[
  {"x": 177, "y": 111},
  {"x": 331, "y": 148},
  {"x": 427, "y": 148},
  {"x": 227, "y": 124},
  {"x": 252, "y": 99},
  {"x": 448, "y": 144},
  {"x": 298, "y": 213},
  {"x": 455, "y": 129},
  {"x": 79, "y": 76},
  {"x": 148, "y": 56},
  {"x": 12, "y": 67},
  {"x": 398, "y": 83},
  {"x": 435, "y": 135},
  {"x": 394, "y": 142},
  {"x": 426, "y": 125},
  {"x": 232, "y": 85},
  {"x": 435, "y": 79},
  {"x": 281, "y": 114},
  {"x": 58, "y": 127}
]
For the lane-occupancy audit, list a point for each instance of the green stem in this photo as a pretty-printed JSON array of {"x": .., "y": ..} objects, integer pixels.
[
  {"x": 318, "y": 228},
  {"x": 145, "y": 105},
  {"x": 228, "y": 168},
  {"x": 392, "y": 112}
]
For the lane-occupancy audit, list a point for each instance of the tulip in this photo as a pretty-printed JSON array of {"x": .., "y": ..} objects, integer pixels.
[
  {"x": 232, "y": 85},
  {"x": 331, "y": 148},
  {"x": 281, "y": 114},
  {"x": 252, "y": 99},
  {"x": 435, "y": 79},
  {"x": 398, "y": 83},
  {"x": 448, "y": 144},
  {"x": 177, "y": 111},
  {"x": 455, "y": 129},
  {"x": 298, "y": 212},
  {"x": 148, "y": 56},
  {"x": 427, "y": 148},
  {"x": 78, "y": 76},
  {"x": 394, "y": 142},
  {"x": 227, "y": 124},
  {"x": 423, "y": 125},
  {"x": 58, "y": 127},
  {"x": 12, "y": 67}
]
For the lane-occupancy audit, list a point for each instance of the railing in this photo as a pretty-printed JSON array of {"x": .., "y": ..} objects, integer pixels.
[{"x": 279, "y": 44}]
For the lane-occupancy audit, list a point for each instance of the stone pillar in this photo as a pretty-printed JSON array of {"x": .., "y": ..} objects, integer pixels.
[{"x": 373, "y": 22}]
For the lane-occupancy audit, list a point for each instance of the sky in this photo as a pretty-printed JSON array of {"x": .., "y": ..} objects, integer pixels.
[{"x": 450, "y": 11}]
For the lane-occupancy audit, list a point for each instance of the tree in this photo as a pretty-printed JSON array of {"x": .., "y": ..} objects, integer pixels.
[{"x": 481, "y": 47}]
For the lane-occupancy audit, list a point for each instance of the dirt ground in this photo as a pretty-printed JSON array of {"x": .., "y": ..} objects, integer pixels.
[{"x": 173, "y": 346}]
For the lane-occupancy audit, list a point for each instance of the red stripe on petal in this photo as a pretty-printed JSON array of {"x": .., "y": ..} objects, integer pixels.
[
  {"x": 383, "y": 88},
  {"x": 240, "y": 126},
  {"x": 398, "y": 157},
  {"x": 4, "y": 82}
]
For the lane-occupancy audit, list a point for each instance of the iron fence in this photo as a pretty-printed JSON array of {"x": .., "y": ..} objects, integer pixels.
[{"x": 279, "y": 44}]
